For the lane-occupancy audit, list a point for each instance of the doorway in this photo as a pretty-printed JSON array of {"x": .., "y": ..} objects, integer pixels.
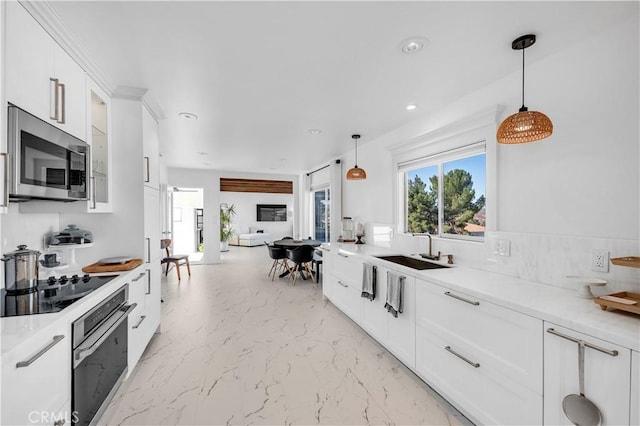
[
  {"x": 187, "y": 223},
  {"x": 321, "y": 215}
]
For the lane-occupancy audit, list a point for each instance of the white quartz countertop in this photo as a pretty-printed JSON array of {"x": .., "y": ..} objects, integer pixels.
[
  {"x": 553, "y": 304},
  {"x": 15, "y": 331}
]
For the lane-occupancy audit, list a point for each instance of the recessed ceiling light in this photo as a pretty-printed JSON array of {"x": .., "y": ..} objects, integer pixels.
[
  {"x": 411, "y": 107},
  {"x": 314, "y": 131},
  {"x": 413, "y": 44},
  {"x": 188, "y": 116}
]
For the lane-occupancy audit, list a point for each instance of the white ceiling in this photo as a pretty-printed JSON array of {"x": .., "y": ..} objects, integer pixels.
[{"x": 261, "y": 74}]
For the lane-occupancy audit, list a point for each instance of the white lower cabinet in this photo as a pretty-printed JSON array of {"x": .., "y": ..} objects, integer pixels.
[
  {"x": 484, "y": 358},
  {"x": 400, "y": 337},
  {"x": 496, "y": 365},
  {"x": 346, "y": 296},
  {"x": 635, "y": 388},
  {"x": 327, "y": 272},
  {"x": 607, "y": 372},
  {"x": 374, "y": 314},
  {"x": 144, "y": 290},
  {"x": 36, "y": 380}
]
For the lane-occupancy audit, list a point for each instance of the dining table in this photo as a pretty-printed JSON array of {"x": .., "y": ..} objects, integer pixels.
[{"x": 289, "y": 243}]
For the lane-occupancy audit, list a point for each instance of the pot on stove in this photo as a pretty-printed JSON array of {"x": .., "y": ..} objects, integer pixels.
[
  {"x": 21, "y": 280},
  {"x": 21, "y": 269}
]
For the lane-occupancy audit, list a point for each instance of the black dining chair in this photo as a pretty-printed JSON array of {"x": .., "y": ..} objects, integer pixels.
[
  {"x": 317, "y": 263},
  {"x": 279, "y": 256},
  {"x": 301, "y": 257}
]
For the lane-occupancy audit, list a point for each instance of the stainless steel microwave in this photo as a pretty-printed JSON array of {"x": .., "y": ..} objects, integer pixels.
[{"x": 44, "y": 161}]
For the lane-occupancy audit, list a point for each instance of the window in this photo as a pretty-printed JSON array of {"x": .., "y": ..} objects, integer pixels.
[
  {"x": 445, "y": 193},
  {"x": 321, "y": 214}
]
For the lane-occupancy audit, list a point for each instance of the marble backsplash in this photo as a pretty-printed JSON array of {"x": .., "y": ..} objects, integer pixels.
[{"x": 542, "y": 258}]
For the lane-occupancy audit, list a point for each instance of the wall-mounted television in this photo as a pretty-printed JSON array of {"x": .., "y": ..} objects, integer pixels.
[{"x": 271, "y": 212}]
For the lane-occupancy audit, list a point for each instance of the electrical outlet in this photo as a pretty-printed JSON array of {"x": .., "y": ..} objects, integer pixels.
[
  {"x": 600, "y": 260},
  {"x": 502, "y": 247}
]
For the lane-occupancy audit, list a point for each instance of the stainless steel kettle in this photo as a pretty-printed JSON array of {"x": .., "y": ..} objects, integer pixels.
[{"x": 21, "y": 270}]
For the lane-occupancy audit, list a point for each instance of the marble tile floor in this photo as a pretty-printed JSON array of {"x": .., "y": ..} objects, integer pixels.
[{"x": 238, "y": 349}]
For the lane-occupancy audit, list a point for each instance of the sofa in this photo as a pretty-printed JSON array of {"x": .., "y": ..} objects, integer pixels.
[{"x": 242, "y": 236}]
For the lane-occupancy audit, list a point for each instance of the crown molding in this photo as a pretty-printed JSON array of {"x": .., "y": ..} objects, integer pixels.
[{"x": 44, "y": 13}]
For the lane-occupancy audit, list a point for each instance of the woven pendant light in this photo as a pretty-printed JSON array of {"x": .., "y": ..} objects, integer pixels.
[
  {"x": 524, "y": 126},
  {"x": 356, "y": 173}
]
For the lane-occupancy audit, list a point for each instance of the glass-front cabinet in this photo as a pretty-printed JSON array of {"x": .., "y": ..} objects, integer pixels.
[{"x": 99, "y": 135}]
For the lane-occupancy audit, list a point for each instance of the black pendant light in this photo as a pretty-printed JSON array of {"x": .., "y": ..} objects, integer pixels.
[
  {"x": 524, "y": 126},
  {"x": 356, "y": 173}
]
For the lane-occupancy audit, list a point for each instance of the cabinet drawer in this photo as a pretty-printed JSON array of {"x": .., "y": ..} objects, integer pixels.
[
  {"x": 347, "y": 299},
  {"x": 347, "y": 268},
  {"x": 507, "y": 342},
  {"x": 477, "y": 392}
]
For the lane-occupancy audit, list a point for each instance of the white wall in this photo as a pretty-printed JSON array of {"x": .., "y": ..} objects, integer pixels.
[
  {"x": 209, "y": 181},
  {"x": 245, "y": 204},
  {"x": 577, "y": 190}
]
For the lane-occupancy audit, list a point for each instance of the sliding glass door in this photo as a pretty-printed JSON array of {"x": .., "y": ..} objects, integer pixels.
[{"x": 321, "y": 213}]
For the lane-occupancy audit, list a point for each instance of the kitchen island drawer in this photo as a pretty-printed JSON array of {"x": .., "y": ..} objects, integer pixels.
[
  {"x": 509, "y": 342},
  {"x": 346, "y": 298},
  {"x": 348, "y": 268},
  {"x": 465, "y": 380}
]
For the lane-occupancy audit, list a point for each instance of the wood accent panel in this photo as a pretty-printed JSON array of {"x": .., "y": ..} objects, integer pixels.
[{"x": 256, "y": 185}]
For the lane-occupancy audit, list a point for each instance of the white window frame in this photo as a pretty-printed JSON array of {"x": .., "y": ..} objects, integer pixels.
[{"x": 437, "y": 160}]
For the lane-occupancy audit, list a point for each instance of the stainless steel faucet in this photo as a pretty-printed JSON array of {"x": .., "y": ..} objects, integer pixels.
[{"x": 430, "y": 255}]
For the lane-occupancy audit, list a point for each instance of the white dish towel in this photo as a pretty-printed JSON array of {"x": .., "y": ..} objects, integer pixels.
[
  {"x": 369, "y": 281},
  {"x": 395, "y": 287}
]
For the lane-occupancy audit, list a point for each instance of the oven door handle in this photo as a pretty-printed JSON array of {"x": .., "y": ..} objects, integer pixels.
[{"x": 102, "y": 333}]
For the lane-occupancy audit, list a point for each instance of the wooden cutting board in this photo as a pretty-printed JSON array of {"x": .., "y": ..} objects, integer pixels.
[{"x": 127, "y": 266}]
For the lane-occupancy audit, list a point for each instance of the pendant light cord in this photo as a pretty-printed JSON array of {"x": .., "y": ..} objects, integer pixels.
[
  {"x": 356, "y": 141},
  {"x": 523, "y": 108}
]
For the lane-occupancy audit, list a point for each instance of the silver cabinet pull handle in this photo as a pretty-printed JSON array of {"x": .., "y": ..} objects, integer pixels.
[
  {"x": 55, "y": 98},
  {"x": 462, "y": 357},
  {"x": 142, "y": 274},
  {"x": 5, "y": 197},
  {"x": 342, "y": 284},
  {"x": 41, "y": 352},
  {"x": 142, "y": 318},
  {"x": 64, "y": 106},
  {"x": 343, "y": 255},
  {"x": 148, "y": 273},
  {"x": 93, "y": 193},
  {"x": 611, "y": 352},
  {"x": 148, "y": 250},
  {"x": 147, "y": 179},
  {"x": 471, "y": 302}
]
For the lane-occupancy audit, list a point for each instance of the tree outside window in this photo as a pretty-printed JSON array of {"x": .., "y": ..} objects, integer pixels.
[{"x": 463, "y": 198}]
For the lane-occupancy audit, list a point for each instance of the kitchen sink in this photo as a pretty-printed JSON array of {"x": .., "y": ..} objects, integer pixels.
[{"x": 411, "y": 262}]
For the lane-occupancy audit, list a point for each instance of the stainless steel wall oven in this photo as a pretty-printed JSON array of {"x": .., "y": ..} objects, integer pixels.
[{"x": 99, "y": 356}]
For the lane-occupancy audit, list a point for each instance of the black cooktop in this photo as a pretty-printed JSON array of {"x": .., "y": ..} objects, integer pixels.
[{"x": 55, "y": 294}]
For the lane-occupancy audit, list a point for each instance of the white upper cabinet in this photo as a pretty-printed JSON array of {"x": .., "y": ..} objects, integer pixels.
[
  {"x": 41, "y": 77},
  {"x": 150, "y": 150},
  {"x": 99, "y": 137}
]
